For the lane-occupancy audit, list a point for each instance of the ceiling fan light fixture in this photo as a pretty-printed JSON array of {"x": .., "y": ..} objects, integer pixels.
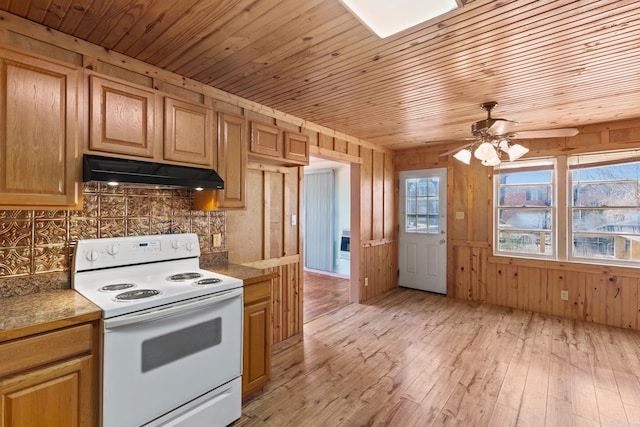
[
  {"x": 493, "y": 161},
  {"x": 516, "y": 151},
  {"x": 464, "y": 156},
  {"x": 485, "y": 151}
]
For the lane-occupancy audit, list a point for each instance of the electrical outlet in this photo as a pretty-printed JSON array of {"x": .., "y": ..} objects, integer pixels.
[
  {"x": 564, "y": 295},
  {"x": 366, "y": 281},
  {"x": 217, "y": 240}
]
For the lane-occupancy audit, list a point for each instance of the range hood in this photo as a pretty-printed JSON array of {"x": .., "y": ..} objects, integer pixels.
[{"x": 112, "y": 169}]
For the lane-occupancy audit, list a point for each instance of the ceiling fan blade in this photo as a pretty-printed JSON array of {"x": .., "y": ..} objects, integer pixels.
[
  {"x": 544, "y": 133},
  {"x": 462, "y": 147},
  {"x": 502, "y": 126}
]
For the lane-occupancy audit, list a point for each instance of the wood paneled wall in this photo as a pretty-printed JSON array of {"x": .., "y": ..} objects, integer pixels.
[
  {"x": 597, "y": 293},
  {"x": 263, "y": 232}
]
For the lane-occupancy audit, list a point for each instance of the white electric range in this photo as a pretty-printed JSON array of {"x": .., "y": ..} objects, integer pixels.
[{"x": 172, "y": 351}]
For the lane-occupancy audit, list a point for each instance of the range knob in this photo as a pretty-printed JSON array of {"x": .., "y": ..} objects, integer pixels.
[
  {"x": 112, "y": 250},
  {"x": 190, "y": 246},
  {"x": 92, "y": 255},
  {"x": 175, "y": 244}
]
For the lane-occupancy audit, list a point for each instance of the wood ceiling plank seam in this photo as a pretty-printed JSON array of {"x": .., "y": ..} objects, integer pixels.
[
  {"x": 356, "y": 47},
  {"x": 92, "y": 19},
  {"x": 369, "y": 74},
  {"x": 547, "y": 69},
  {"x": 56, "y": 13},
  {"x": 230, "y": 80},
  {"x": 38, "y": 10},
  {"x": 284, "y": 50},
  {"x": 242, "y": 33},
  {"x": 151, "y": 25},
  {"x": 119, "y": 21},
  {"x": 259, "y": 41},
  {"x": 19, "y": 7},
  {"x": 74, "y": 16},
  {"x": 198, "y": 20},
  {"x": 498, "y": 66},
  {"x": 349, "y": 60},
  {"x": 162, "y": 29}
]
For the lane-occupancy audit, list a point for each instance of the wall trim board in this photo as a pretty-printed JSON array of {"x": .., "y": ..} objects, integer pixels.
[
  {"x": 273, "y": 262},
  {"x": 565, "y": 265},
  {"x": 328, "y": 154}
]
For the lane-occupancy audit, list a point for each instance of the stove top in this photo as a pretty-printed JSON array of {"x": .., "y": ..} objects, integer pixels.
[{"x": 128, "y": 274}]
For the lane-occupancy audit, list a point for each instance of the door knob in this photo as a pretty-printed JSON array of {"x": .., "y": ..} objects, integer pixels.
[{"x": 442, "y": 241}]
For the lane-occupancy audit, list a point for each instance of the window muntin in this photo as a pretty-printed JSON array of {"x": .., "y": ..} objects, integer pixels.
[
  {"x": 525, "y": 209},
  {"x": 605, "y": 207},
  {"x": 422, "y": 205}
]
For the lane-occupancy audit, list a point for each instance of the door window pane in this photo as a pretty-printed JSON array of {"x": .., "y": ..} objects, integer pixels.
[{"x": 422, "y": 207}]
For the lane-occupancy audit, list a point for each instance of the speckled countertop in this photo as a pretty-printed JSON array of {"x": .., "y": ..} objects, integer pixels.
[
  {"x": 248, "y": 275},
  {"x": 30, "y": 314},
  {"x": 26, "y": 309}
]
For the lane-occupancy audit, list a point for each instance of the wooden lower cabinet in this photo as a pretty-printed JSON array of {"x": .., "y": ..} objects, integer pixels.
[
  {"x": 257, "y": 337},
  {"x": 49, "y": 379}
]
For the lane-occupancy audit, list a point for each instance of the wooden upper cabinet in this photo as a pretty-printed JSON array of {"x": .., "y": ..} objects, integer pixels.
[
  {"x": 122, "y": 118},
  {"x": 188, "y": 132},
  {"x": 232, "y": 160},
  {"x": 39, "y": 127},
  {"x": 296, "y": 147},
  {"x": 266, "y": 140}
]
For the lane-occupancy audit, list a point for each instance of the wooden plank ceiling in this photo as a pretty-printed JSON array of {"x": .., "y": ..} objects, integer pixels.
[{"x": 548, "y": 63}]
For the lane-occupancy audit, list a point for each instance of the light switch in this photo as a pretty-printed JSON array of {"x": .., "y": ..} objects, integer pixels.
[
  {"x": 294, "y": 219},
  {"x": 459, "y": 215},
  {"x": 217, "y": 240}
]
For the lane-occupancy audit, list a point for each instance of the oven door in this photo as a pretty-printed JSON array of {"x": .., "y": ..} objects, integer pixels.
[{"x": 159, "y": 359}]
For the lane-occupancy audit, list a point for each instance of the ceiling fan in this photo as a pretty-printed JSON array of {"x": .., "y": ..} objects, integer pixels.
[{"x": 492, "y": 137}]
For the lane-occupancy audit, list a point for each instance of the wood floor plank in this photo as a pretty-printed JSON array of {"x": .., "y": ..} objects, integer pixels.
[{"x": 410, "y": 358}]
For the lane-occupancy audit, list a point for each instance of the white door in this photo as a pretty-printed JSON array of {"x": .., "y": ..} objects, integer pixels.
[{"x": 422, "y": 242}]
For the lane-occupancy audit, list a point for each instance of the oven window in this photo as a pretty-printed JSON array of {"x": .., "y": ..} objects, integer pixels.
[{"x": 175, "y": 345}]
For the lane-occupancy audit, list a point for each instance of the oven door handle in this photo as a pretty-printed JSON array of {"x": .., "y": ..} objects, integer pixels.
[{"x": 171, "y": 309}]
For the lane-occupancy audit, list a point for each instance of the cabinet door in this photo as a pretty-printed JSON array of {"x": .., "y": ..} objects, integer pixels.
[
  {"x": 56, "y": 395},
  {"x": 188, "y": 132},
  {"x": 232, "y": 160},
  {"x": 122, "y": 118},
  {"x": 257, "y": 347},
  {"x": 39, "y": 160},
  {"x": 296, "y": 147},
  {"x": 266, "y": 140}
]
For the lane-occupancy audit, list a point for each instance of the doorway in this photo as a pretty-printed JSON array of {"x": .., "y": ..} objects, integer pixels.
[
  {"x": 327, "y": 218},
  {"x": 422, "y": 238}
]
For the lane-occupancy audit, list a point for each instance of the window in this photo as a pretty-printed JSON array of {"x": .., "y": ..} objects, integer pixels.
[
  {"x": 589, "y": 201},
  {"x": 525, "y": 209},
  {"x": 423, "y": 206},
  {"x": 605, "y": 206}
]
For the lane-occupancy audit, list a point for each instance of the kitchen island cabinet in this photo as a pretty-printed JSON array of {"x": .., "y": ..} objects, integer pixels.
[
  {"x": 39, "y": 129},
  {"x": 49, "y": 360}
]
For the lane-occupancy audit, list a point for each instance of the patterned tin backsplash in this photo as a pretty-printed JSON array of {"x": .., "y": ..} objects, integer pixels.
[{"x": 42, "y": 241}]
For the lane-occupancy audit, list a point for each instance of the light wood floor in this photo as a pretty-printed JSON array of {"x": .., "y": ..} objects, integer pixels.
[
  {"x": 409, "y": 358},
  {"x": 323, "y": 294}
]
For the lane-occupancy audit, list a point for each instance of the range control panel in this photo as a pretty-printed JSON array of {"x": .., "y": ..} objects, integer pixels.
[{"x": 122, "y": 251}]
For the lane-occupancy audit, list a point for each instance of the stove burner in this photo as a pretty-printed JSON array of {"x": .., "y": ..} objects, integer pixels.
[
  {"x": 137, "y": 294},
  {"x": 208, "y": 281},
  {"x": 181, "y": 277},
  {"x": 116, "y": 287}
]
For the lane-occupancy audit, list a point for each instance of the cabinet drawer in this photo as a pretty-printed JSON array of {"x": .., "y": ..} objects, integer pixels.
[
  {"x": 257, "y": 292},
  {"x": 29, "y": 352}
]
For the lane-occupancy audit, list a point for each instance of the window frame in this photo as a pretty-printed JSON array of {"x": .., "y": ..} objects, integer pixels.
[
  {"x": 526, "y": 166},
  {"x": 562, "y": 189}
]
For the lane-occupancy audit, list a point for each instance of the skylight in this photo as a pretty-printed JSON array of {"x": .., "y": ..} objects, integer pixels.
[{"x": 387, "y": 17}]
